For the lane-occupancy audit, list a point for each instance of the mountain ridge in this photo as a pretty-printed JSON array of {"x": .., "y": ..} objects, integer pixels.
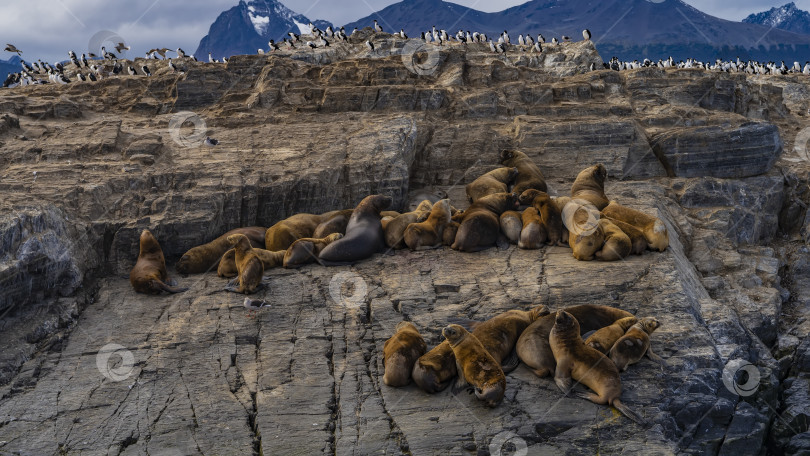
[{"x": 786, "y": 17}]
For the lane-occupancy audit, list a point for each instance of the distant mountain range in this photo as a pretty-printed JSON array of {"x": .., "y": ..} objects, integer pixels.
[
  {"x": 787, "y": 17},
  {"x": 11, "y": 65},
  {"x": 248, "y": 26},
  {"x": 628, "y": 29}
]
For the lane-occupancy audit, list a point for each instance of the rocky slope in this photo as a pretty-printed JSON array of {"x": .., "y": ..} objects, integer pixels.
[{"x": 88, "y": 366}]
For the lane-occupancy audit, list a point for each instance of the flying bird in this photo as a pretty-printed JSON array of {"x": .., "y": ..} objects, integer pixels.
[
  {"x": 12, "y": 48},
  {"x": 121, "y": 47}
]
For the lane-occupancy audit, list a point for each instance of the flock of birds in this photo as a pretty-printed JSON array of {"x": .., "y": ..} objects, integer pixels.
[{"x": 90, "y": 67}]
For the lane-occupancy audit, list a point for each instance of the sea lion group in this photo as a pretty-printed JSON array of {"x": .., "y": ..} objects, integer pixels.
[{"x": 549, "y": 343}]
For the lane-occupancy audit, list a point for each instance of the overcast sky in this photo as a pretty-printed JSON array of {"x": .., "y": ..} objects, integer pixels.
[{"x": 46, "y": 29}]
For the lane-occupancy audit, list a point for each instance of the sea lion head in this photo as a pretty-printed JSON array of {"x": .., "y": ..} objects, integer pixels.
[
  {"x": 148, "y": 242},
  {"x": 513, "y": 201},
  {"x": 491, "y": 394},
  {"x": 454, "y": 333},
  {"x": 649, "y": 324},
  {"x": 507, "y": 155},
  {"x": 380, "y": 202},
  {"x": 599, "y": 173},
  {"x": 239, "y": 241},
  {"x": 405, "y": 325},
  {"x": 659, "y": 236},
  {"x": 527, "y": 197},
  {"x": 539, "y": 311},
  {"x": 566, "y": 322},
  {"x": 184, "y": 263}
]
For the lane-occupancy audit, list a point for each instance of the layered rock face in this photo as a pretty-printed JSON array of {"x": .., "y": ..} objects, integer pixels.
[{"x": 91, "y": 367}]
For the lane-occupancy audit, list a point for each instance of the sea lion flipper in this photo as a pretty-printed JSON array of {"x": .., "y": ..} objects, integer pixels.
[
  {"x": 655, "y": 357},
  {"x": 503, "y": 242},
  {"x": 157, "y": 284},
  {"x": 564, "y": 384},
  {"x": 626, "y": 411},
  {"x": 511, "y": 362}
]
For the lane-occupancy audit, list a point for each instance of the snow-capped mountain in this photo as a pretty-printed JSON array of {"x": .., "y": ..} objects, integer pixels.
[
  {"x": 249, "y": 25},
  {"x": 11, "y": 65},
  {"x": 786, "y": 17}
]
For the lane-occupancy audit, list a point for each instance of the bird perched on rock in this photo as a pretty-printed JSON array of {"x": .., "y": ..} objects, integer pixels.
[
  {"x": 369, "y": 45},
  {"x": 586, "y": 34},
  {"x": 146, "y": 71},
  {"x": 377, "y": 27},
  {"x": 209, "y": 141},
  {"x": 12, "y": 48}
]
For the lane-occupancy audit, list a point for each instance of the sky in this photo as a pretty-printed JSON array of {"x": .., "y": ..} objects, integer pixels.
[{"x": 47, "y": 29}]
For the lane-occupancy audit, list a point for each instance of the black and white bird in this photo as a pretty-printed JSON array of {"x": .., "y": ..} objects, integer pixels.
[
  {"x": 541, "y": 39},
  {"x": 81, "y": 77},
  {"x": 273, "y": 46},
  {"x": 492, "y": 47},
  {"x": 107, "y": 55},
  {"x": 84, "y": 61},
  {"x": 586, "y": 34},
  {"x": 209, "y": 141},
  {"x": 369, "y": 45},
  {"x": 117, "y": 68},
  {"x": 172, "y": 66},
  {"x": 402, "y": 34},
  {"x": 566, "y": 38},
  {"x": 12, "y": 48},
  {"x": 500, "y": 48},
  {"x": 329, "y": 31},
  {"x": 505, "y": 37},
  {"x": 146, "y": 71},
  {"x": 181, "y": 53},
  {"x": 377, "y": 27},
  {"x": 293, "y": 37},
  {"x": 92, "y": 76},
  {"x": 210, "y": 58},
  {"x": 538, "y": 47},
  {"x": 131, "y": 70},
  {"x": 312, "y": 45},
  {"x": 554, "y": 41}
]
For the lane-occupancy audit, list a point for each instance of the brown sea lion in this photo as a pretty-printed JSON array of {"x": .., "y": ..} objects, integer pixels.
[
  {"x": 550, "y": 214},
  {"x": 281, "y": 235},
  {"x": 449, "y": 235},
  {"x": 634, "y": 344},
  {"x": 533, "y": 348},
  {"x": 434, "y": 370},
  {"x": 617, "y": 244},
  {"x": 534, "y": 233},
  {"x": 306, "y": 250},
  {"x": 395, "y": 229},
  {"x": 149, "y": 273},
  {"x": 604, "y": 338},
  {"x": 637, "y": 240},
  {"x": 590, "y": 186},
  {"x": 586, "y": 365},
  {"x": 392, "y": 214},
  {"x": 227, "y": 266},
  {"x": 475, "y": 366},
  {"x": 248, "y": 264},
  {"x": 589, "y": 241},
  {"x": 500, "y": 333},
  {"x": 332, "y": 223},
  {"x": 480, "y": 225},
  {"x": 364, "y": 235},
  {"x": 529, "y": 175},
  {"x": 560, "y": 202},
  {"x": 653, "y": 228},
  {"x": 511, "y": 225},
  {"x": 429, "y": 234},
  {"x": 495, "y": 181},
  {"x": 205, "y": 257},
  {"x": 400, "y": 353}
]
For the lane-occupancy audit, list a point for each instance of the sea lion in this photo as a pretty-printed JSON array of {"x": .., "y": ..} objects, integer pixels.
[
  {"x": 495, "y": 181},
  {"x": 281, "y": 235},
  {"x": 560, "y": 202},
  {"x": 306, "y": 250},
  {"x": 364, "y": 235},
  {"x": 550, "y": 214},
  {"x": 392, "y": 214},
  {"x": 586, "y": 245},
  {"x": 533, "y": 348},
  {"x": 534, "y": 233},
  {"x": 248, "y": 264},
  {"x": 529, "y": 175},
  {"x": 480, "y": 225},
  {"x": 400, "y": 353},
  {"x": 449, "y": 235},
  {"x": 149, "y": 274},
  {"x": 475, "y": 366},
  {"x": 206, "y": 257},
  {"x": 604, "y": 338},
  {"x": 500, "y": 333},
  {"x": 634, "y": 344},
  {"x": 335, "y": 223},
  {"x": 655, "y": 232},
  {"x": 429, "y": 234},
  {"x": 511, "y": 225},
  {"x": 590, "y": 186},
  {"x": 418, "y": 196},
  {"x": 227, "y": 266},
  {"x": 586, "y": 365},
  {"x": 637, "y": 240},
  {"x": 395, "y": 229},
  {"x": 617, "y": 244},
  {"x": 435, "y": 369}
]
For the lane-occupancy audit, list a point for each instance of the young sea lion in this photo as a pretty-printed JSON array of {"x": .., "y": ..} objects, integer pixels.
[
  {"x": 149, "y": 273},
  {"x": 529, "y": 175},
  {"x": 655, "y": 232},
  {"x": 500, "y": 333},
  {"x": 480, "y": 225},
  {"x": 475, "y": 366},
  {"x": 511, "y": 225},
  {"x": 533, "y": 348},
  {"x": 586, "y": 365},
  {"x": 227, "y": 266},
  {"x": 603, "y": 339},
  {"x": 306, "y": 250},
  {"x": 617, "y": 244},
  {"x": 590, "y": 186},
  {"x": 550, "y": 214},
  {"x": 434, "y": 370},
  {"x": 248, "y": 264},
  {"x": 495, "y": 181},
  {"x": 364, "y": 235},
  {"x": 637, "y": 240},
  {"x": 400, "y": 353},
  {"x": 206, "y": 257},
  {"x": 635, "y": 343},
  {"x": 429, "y": 234},
  {"x": 334, "y": 223},
  {"x": 533, "y": 234},
  {"x": 395, "y": 228}
]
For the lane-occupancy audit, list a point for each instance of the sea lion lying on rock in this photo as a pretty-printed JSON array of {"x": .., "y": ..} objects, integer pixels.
[
  {"x": 655, "y": 232},
  {"x": 480, "y": 224},
  {"x": 429, "y": 234},
  {"x": 306, "y": 250},
  {"x": 227, "y": 266},
  {"x": 206, "y": 257},
  {"x": 495, "y": 181},
  {"x": 529, "y": 175},
  {"x": 400, "y": 353},
  {"x": 364, "y": 234}
]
